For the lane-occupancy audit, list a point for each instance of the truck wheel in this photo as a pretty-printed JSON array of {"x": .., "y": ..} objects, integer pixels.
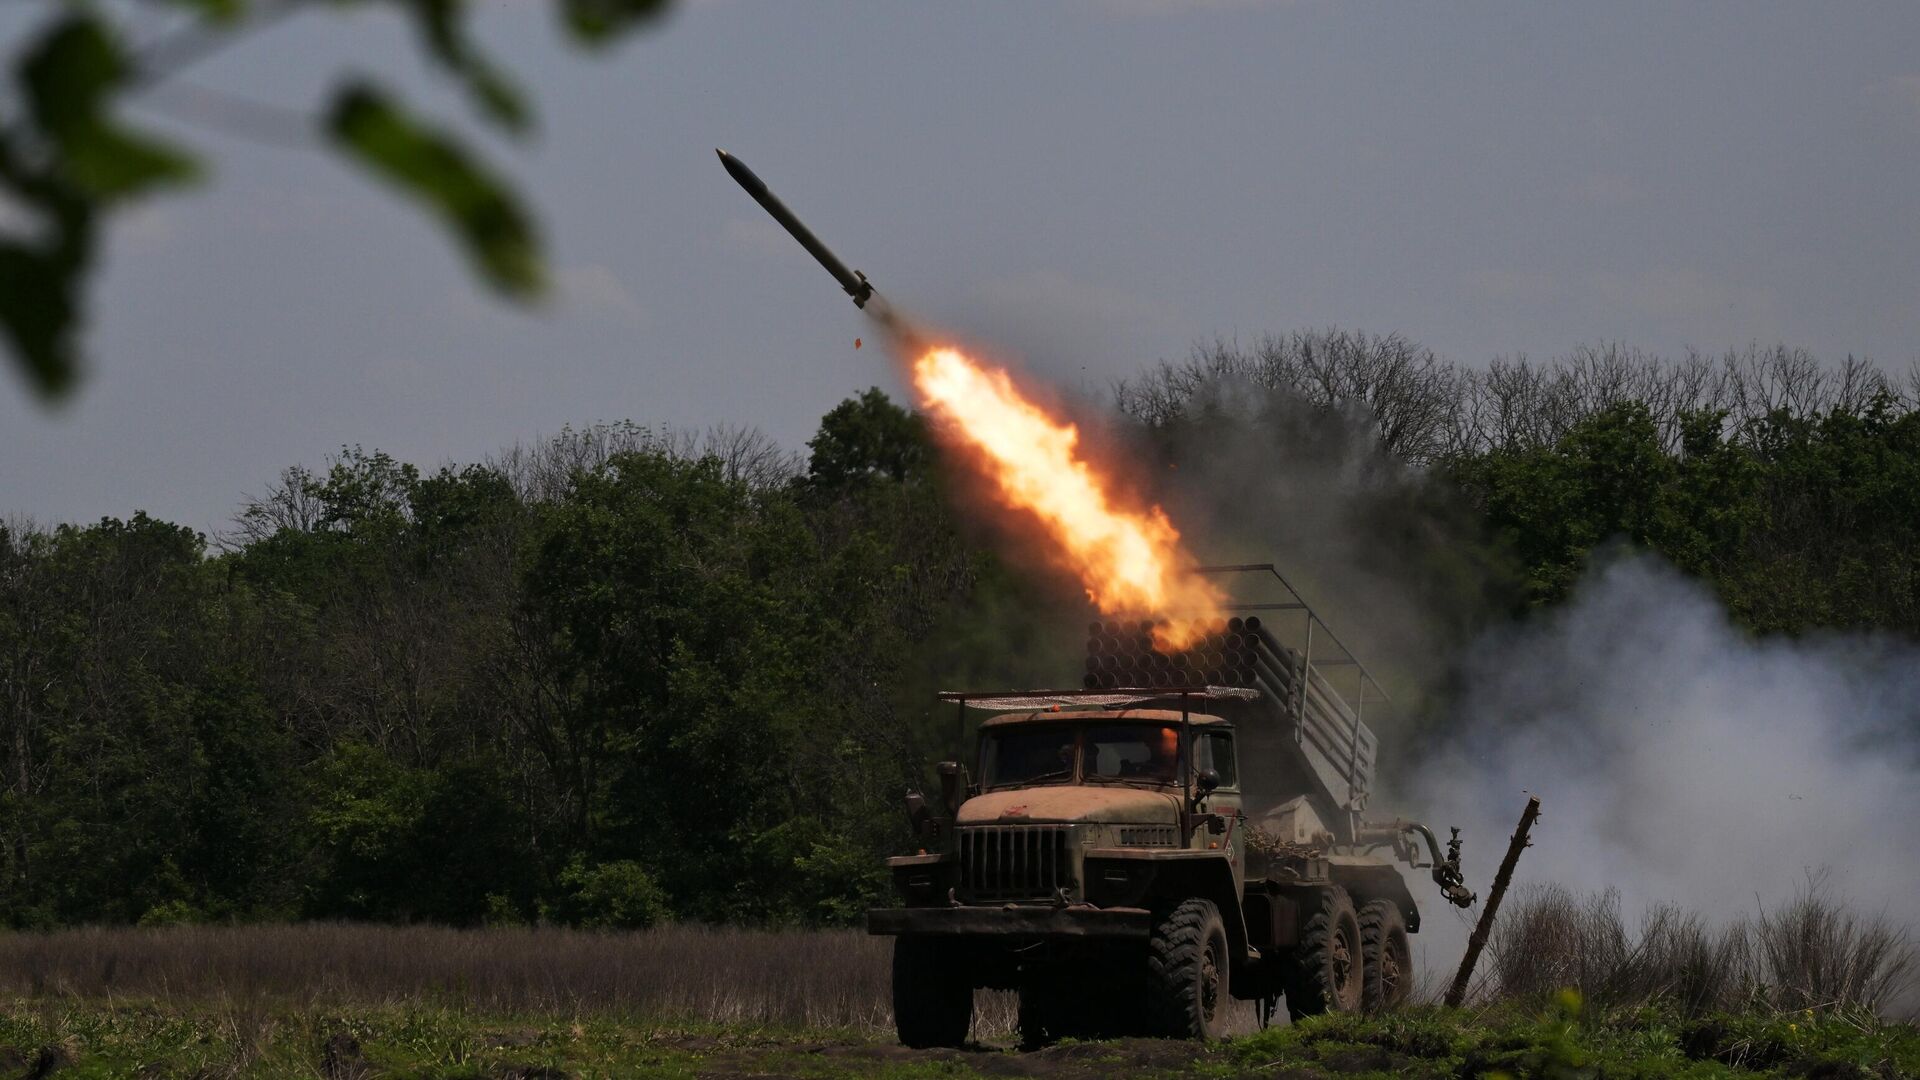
[
  {"x": 1387, "y": 976},
  {"x": 1187, "y": 965},
  {"x": 932, "y": 993},
  {"x": 1327, "y": 963}
]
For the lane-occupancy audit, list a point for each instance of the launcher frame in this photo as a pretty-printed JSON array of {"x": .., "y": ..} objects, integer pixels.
[{"x": 1319, "y": 735}]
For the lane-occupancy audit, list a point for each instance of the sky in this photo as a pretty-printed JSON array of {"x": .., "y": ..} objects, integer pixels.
[{"x": 1083, "y": 186}]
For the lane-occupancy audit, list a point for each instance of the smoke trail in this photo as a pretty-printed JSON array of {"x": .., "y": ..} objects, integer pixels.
[{"x": 1682, "y": 760}]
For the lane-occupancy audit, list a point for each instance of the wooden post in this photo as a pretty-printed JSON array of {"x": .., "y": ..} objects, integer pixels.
[{"x": 1458, "y": 992}]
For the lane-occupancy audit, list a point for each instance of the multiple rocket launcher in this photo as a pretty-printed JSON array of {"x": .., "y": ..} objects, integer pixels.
[
  {"x": 1228, "y": 652},
  {"x": 1337, "y": 747}
]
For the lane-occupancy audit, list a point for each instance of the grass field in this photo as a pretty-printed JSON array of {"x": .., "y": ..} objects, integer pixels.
[
  {"x": 1670, "y": 999},
  {"x": 151, "y": 1040}
]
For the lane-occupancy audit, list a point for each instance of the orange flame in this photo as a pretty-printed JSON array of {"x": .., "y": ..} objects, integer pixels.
[{"x": 1129, "y": 561}]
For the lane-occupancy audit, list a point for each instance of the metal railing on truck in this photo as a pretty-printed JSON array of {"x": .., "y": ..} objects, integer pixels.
[
  {"x": 1260, "y": 648},
  {"x": 1263, "y": 647}
]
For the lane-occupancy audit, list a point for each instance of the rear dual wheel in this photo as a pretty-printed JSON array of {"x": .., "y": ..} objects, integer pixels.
[
  {"x": 1328, "y": 969},
  {"x": 1386, "y": 955}
]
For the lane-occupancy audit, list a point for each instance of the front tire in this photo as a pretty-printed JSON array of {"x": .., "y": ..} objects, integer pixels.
[
  {"x": 1187, "y": 969},
  {"x": 932, "y": 993},
  {"x": 1327, "y": 962},
  {"x": 1386, "y": 955}
]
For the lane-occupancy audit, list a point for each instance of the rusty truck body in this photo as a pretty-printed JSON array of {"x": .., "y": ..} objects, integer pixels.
[{"x": 1179, "y": 831}]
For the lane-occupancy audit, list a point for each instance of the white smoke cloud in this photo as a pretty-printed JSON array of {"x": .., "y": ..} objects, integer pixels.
[
  {"x": 1681, "y": 760},
  {"x": 1678, "y": 758}
]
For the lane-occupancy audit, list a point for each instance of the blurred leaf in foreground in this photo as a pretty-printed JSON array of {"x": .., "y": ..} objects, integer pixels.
[
  {"x": 484, "y": 214},
  {"x": 70, "y": 80},
  {"x": 62, "y": 160},
  {"x": 65, "y": 160},
  {"x": 595, "y": 22}
]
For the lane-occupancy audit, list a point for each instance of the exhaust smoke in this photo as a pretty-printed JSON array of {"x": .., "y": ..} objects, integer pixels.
[{"x": 1682, "y": 760}]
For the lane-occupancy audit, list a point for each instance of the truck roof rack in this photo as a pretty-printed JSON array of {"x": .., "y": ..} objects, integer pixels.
[{"x": 1009, "y": 700}]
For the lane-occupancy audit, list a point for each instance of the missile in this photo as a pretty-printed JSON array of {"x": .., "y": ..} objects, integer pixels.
[{"x": 853, "y": 281}]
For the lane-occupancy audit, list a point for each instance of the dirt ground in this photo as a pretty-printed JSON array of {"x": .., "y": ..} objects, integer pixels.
[{"x": 1074, "y": 1061}]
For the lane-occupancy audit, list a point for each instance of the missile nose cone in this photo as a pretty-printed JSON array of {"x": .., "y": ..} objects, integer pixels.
[{"x": 739, "y": 171}]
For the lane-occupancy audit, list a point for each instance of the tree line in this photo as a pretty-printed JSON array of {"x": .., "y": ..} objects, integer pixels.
[
  {"x": 622, "y": 676},
  {"x": 1788, "y": 483}
]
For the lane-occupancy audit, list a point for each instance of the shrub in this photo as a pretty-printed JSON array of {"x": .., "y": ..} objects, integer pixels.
[
  {"x": 171, "y": 913},
  {"x": 616, "y": 895},
  {"x": 1811, "y": 953}
]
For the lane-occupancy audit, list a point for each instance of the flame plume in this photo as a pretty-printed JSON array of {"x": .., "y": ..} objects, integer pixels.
[{"x": 1128, "y": 560}]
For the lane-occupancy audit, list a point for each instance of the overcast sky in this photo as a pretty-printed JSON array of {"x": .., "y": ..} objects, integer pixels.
[{"x": 1090, "y": 185}]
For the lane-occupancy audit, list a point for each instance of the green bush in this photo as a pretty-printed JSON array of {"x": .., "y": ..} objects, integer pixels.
[
  {"x": 612, "y": 895},
  {"x": 172, "y": 913}
]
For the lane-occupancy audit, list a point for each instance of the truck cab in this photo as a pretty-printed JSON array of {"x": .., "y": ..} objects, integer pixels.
[
  {"x": 1069, "y": 834},
  {"x": 1059, "y": 789}
]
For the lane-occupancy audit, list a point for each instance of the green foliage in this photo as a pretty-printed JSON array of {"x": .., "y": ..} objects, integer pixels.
[
  {"x": 171, "y": 913},
  {"x": 1799, "y": 521},
  {"x": 401, "y": 844},
  {"x": 444, "y": 34},
  {"x": 665, "y": 688},
  {"x": 368, "y": 814},
  {"x": 430, "y": 1040},
  {"x": 1554, "y": 506},
  {"x": 664, "y": 691},
  {"x": 617, "y": 895},
  {"x": 868, "y": 439},
  {"x": 691, "y": 641},
  {"x": 596, "y": 22},
  {"x": 70, "y": 79},
  {"x": 436, "y": 170},
  {"x": 67, "y": 161},
  {"x": 1568, "y": 1040},
  {"x": 422, "y": 1040}
]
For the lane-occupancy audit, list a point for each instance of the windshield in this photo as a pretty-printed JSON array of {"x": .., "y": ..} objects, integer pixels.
[
  {"x": 1057, "y": 754},
  {"x": 1131, "y": 752},
  {"x": 1027, "y": 755}
]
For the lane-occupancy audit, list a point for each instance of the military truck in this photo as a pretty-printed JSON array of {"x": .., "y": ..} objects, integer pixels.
[{"x": 1181, "y": 830}]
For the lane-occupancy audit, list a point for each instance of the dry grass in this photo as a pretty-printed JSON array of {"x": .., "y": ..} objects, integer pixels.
[
  {"x": 1810, "y": 953},
  {"x": 835, "y": 979}
]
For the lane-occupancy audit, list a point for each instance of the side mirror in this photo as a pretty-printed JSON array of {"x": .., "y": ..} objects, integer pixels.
[
  {"x": 919, "y": 814},
  {"x": 1205, "y": 781},
  {"x": 953, "y": 785}
]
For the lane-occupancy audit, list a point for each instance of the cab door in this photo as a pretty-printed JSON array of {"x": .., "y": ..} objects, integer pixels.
[{"x": 1214, "y": 749}]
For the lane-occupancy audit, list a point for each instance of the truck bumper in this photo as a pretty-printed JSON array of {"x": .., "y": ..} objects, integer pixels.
[{"x": 1039, "y": 922}]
